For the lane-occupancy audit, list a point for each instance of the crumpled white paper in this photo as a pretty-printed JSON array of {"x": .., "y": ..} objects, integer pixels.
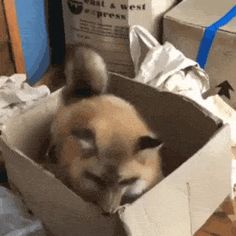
[
  {"x": 14, "y": 219},
  {"x": 166, "y": 68},
  {"x": 16, "y": 95}
]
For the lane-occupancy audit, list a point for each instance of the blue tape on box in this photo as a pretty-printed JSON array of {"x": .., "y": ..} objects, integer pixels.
[{"x": 209, "y": 36}]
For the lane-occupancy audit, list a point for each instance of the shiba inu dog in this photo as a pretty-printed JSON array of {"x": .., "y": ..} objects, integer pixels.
[{"x": 101, "y": 146}]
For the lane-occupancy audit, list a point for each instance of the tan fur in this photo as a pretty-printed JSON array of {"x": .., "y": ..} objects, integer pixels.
[{"x": 117, "y": 128}]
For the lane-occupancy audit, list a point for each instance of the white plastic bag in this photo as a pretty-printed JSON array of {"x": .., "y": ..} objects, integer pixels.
[{"x": 14, "y": 219}]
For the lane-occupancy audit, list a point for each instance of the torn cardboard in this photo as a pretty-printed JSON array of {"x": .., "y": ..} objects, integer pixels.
[
  {"x": 104, "y": 25},
  {"x": 178, "y": 205},
  {"x": 184, "y": 27}
]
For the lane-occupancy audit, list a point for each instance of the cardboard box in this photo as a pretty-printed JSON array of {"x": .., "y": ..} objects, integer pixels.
[
  {"x": 178, "y": 205},
  {"x": 105, "y": 26},
  {"x": 185, "y": 25}
]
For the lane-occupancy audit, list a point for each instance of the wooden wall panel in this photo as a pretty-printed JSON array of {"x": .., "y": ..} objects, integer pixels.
[
  {"x": 17, "y": 51},
  {"x": 6, "y": 61}
]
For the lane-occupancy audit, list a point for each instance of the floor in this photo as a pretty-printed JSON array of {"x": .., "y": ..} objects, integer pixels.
[{"x": 222, "y": 222}]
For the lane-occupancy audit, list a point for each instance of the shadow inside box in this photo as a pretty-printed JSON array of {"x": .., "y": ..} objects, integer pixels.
[{"x": 171, "y": 160}]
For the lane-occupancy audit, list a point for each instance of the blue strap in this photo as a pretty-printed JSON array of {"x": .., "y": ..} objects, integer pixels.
[{"x": 209, "y": 36}]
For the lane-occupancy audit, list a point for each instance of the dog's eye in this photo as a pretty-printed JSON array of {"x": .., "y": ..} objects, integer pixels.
[
  {"x": 94, "y": 178},
  {"x": 128, "y": 181}
]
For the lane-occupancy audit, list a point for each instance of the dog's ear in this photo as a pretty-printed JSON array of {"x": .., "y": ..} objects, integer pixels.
[{"x": 146, "y": 142}]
